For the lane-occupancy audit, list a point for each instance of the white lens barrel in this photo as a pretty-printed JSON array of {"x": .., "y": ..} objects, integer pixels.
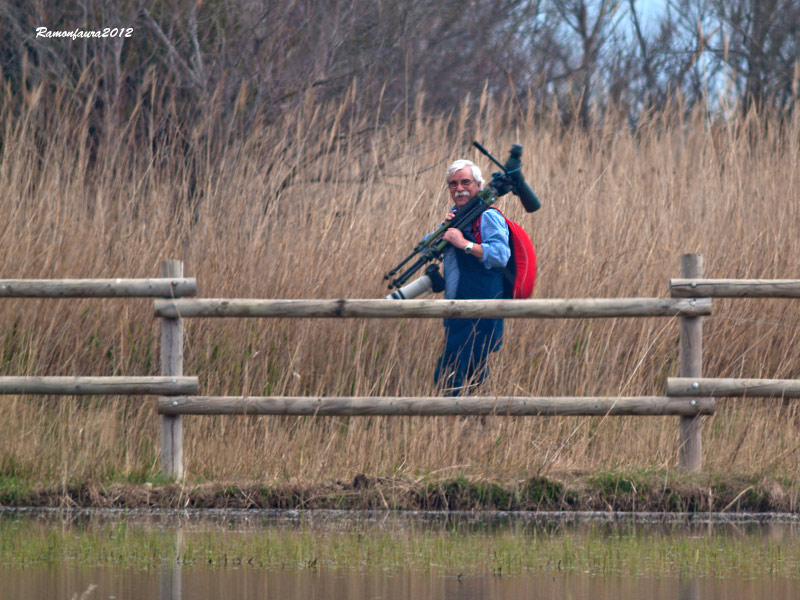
[{"x": 412, "y": 290}]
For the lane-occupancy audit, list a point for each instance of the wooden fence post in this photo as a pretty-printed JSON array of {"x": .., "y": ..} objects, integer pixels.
[
  {"x": 691, "y": 365},
  {"x": 172, "y": 364}
]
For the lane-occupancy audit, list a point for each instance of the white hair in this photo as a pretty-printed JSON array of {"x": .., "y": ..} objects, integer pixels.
[{"x": 460, "y": 164}]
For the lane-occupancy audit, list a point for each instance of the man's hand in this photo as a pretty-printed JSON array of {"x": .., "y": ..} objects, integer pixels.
[{"x": 455, "y": 237}]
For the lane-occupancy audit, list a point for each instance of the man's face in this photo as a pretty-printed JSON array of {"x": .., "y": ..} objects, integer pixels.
[{"x": 462, "y": 186}]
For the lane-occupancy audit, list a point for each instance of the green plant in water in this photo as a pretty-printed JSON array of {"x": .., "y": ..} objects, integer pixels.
[{"x": 455, "y": 546}]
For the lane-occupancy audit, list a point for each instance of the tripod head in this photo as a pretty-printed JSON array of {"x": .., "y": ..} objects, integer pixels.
[{"x": 512, "y": 170}]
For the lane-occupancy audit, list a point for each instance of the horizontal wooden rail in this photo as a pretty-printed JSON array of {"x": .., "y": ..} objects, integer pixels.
[
  {"x": 720, "y": 388},
  {"x": 734, "y": 288},
  {"x": 431, "y": 406},
  {"x": 98, "y": 288},
  {"x": 388, "y": 309},
  {"x": 91, "y": 386}
]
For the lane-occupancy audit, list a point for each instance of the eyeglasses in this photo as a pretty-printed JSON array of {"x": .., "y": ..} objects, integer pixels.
[{"x": 464, "y": 183}]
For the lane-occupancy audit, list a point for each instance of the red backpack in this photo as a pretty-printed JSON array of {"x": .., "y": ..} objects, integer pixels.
[{"x": 519, "y": 274}]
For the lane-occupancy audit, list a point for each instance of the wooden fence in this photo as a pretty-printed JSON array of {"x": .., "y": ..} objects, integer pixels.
[{"x": 689, "y": 396}]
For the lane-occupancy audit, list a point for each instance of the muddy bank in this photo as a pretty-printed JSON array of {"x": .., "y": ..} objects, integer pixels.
[{"x": 612, "y": 491}]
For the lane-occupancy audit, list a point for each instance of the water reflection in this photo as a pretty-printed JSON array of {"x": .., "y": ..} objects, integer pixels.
[
  {"x": 689, "y": 589},
  {"x": 251, "y": 584},
  {"x": 774, "y": 524},
  {"x": 170, "y": 585}
]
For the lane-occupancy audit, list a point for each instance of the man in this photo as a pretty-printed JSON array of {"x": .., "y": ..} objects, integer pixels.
[{"x": 472, "y": 270}]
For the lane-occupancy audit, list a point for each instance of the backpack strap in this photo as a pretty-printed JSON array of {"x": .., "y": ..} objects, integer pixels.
[{"x": 476, "y": 224}]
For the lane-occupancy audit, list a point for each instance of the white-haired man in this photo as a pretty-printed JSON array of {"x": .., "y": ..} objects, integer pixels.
[{"x": 473, "y": 265}]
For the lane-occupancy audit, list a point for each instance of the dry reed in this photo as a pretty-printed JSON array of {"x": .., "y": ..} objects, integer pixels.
[{"x": 320, "y": 205}]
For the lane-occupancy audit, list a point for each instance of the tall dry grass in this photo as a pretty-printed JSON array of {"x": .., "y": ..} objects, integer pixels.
[{"x": 320, "y": 205}]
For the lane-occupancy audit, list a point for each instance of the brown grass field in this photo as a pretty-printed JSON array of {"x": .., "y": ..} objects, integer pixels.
[{"x": 320, "y": 205}]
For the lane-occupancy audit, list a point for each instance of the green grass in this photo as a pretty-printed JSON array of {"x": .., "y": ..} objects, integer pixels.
[{"x": 456, "y": 545}]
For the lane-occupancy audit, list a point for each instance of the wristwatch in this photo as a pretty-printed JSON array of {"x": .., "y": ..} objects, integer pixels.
[{"x": 468, "y": 248}]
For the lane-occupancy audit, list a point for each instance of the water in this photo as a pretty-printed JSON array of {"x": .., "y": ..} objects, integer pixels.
[
  {"x": 330, "y": 555},
  {"x": 250, "y": 584}
]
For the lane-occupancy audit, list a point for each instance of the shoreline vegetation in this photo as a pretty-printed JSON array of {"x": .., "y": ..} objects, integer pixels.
[
  {"x": 319, "y": 204},
  {"x": 614, "y": 491}
]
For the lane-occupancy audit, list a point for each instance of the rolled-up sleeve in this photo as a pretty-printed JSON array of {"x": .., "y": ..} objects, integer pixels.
[{"x": 494, "y": 240}]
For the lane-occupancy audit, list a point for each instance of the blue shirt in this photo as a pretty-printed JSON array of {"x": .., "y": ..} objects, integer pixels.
[{"x": 496, "y": 250}]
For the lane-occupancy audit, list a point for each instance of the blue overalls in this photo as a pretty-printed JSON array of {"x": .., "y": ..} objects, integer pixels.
[{"x": 468, "y": 342}]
